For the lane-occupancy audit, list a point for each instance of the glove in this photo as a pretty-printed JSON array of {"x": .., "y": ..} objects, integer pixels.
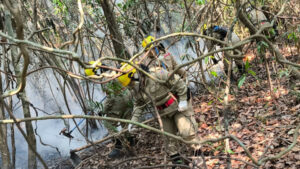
[
  {"x": 130, "y": 129},
  {"x": 182, "y": 106}
]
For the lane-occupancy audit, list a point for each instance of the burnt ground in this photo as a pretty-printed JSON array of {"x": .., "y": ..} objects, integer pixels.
[{"x": 263, "y": 123}]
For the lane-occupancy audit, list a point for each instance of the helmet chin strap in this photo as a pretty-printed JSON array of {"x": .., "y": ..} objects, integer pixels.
[
  {"x": 156, "y": 50},
  {"x": 133, "y": 76},
  {"x": 162, "y": 63}
]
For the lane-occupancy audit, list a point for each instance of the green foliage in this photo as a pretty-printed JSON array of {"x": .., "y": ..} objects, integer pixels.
[
  {"x": 215, "y": 74},
  {"x": 247, "y": 65},
  {"x": 284, "y": 72},
  {"x": 272, "y": 32},
  {"x": 60, "y": 8},
  {"x": 127, "y": 5},
  {"x": 241, "y": 81},
  {"x": 251, "y": 72},
  {"x": 94, "y": 106},
  {"x": 230, "y": 151},
  {"x": 200, "y": 2},
  {"x": 262, "y": 46},
  {"x": 293, "y": 36},
  {"x": 248, "y": 70},
  {"x": 206, "y": 59},
  {"x": 110, "y": 126},
  {"x": 113, "y": 88}
]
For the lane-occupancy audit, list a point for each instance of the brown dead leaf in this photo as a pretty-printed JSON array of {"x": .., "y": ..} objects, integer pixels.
[
  {"x": 204, "y": 126},
  {"x": 280, "y": 165}
]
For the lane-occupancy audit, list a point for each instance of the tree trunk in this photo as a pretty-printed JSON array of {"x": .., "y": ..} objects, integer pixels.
[
  {"x": 113, "y": 27},
  {"x": 29, "y": 130},
  {"x": 32, "y": 162},
  {"x": 5, "y": 155}
]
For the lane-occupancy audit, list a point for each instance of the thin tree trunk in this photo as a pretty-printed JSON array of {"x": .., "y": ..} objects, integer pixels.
[
  {"x": 32, "y": 162},
  {"x": 113, "y": 27},
  {"x": 5, "y": 155}
]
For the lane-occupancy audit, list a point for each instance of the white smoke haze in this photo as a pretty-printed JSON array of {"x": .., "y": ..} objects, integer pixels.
[{"x": 44, "y": 93}]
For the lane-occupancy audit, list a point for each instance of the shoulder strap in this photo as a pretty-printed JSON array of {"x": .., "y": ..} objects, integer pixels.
[{"x": 167, "y": 54}]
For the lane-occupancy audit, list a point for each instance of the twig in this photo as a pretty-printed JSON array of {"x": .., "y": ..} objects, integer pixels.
[
  {"x": 133, "y": 158},
  {"x": 164, "y": 165},
  {"x": 25, "y": 137},
  {"x": 236, "y": 159},
  {"x": 78, "y": 27}
]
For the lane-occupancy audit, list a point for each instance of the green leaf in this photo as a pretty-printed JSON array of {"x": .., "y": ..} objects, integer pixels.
[
  {"x": 247, "y": 65},
  {"x": 272, "y": 31},
  {"x": 291, "y": 35},
  {"x": 241, "y": 81},
  {"x": 214, "y": 73},
  {"x": 230, "y": 151},
  {"x": 284, "y": 72},
  {"x": 200, "y": 2},
  {"x": 210, "y": 102},
  {"x": 119, "y": 5},
  {"x": 220, "y": 100},
  {"x": 252, "y": 72},
  {"x": 259, "y": 48},
  {"x": 206, "y": 59},
  {"x": 265, "y": 44}
]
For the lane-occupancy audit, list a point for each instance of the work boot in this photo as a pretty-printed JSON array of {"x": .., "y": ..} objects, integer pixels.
[
  {"x": 116, "y": 152},
  {"x": 176, "y": 159},
  {"x": 132, "y": 140},
  {"x": 196, "y": 159}
]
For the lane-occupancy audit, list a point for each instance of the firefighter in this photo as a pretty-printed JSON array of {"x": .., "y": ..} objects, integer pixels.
[
  {"x": 170, "y": 98},
  {"x": 158, "y": 56},
  {"x": 221, "y": 33},
  {"x": 118, "y": 104},
  {"x": 259, "y": 19}
]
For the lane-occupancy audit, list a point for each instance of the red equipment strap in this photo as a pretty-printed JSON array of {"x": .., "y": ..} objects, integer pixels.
[{"x": 166, "y": 104}]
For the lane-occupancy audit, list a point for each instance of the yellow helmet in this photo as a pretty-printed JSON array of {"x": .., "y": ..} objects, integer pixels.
[
  {"x": 90, "y": 72},
  {"x": 148, "y": 40},
  {"x": 125, "y": 79}
]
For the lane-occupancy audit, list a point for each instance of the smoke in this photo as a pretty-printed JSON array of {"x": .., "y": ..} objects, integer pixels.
[{"x": 45, "y": 95}]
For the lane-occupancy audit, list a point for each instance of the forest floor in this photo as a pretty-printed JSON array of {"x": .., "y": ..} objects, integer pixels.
[{"x": 264, "y": 124}]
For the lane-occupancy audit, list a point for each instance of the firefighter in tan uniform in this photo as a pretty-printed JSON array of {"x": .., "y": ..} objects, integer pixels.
[
  {"x": 159, "y": 57},
  {"x": 221, "y": 33},
  {"x": 259, "y": 19},
  {"x": 117, "y": 104},
  {"x": 180, "y": 118}
]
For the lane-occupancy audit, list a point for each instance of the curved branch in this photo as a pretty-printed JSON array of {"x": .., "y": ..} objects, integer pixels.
[
  {"x": 79, "y": 25},
  {"x": 288, "y": 149}
]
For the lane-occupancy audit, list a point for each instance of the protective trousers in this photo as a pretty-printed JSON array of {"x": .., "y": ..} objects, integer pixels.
[{"x": 181, "y": 123}]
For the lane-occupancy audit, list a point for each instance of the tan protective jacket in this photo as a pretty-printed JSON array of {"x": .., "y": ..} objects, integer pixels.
[
  {"x": 166, "y": 60},
  {"x": 258, "y": 18},
  {"x": 119, "y": 106},
  {"x": 159, "y": 93}
]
